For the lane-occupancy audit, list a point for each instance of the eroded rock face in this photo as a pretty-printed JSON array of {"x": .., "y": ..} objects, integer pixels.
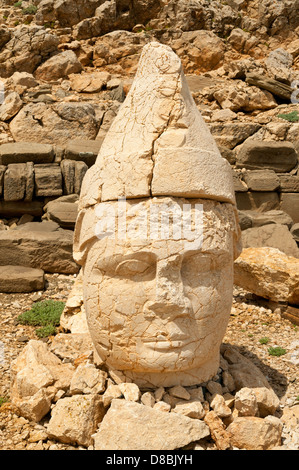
[{"x": 158, "y": 294}]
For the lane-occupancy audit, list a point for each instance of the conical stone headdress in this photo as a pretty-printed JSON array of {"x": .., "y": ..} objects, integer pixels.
[{"x": 158, "y": 144}]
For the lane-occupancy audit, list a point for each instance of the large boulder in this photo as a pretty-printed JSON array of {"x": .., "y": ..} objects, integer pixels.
[
  {"x": 273, "y": 155},
  {"x": 21, "y": 279},
  {"x": 131, "y": 426},
  {"x": 63, "y": 122},
  {"x": 27, "y": 48},
  {"x": 272, "y": 235},
  {"x": 41, "y": 245},
  {"x": 269, "y": 273},
  {"x": 59, "y": 66}
]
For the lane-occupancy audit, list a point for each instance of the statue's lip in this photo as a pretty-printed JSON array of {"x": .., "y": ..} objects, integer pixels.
[{"x": 167, "y": 343}]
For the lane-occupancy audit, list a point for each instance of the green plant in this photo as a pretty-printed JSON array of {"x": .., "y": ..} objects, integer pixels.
[
  {"x": 31, "y": 10},
  {"x": 3, "y": 400},
  {"x": 276, "y": 351},
  {"x": 45, "y": 331},
  {"x": 46, "y": 314},
  {"x": 18, "y": 4},
  {"x": 264, "y": 340},
  {"x": 291, "y": 117}
]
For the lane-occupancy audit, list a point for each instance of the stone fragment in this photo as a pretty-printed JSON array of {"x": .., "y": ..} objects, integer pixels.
[
  {"x": 218, "y": 433},
  {"x": 214, "y": 387},
  {"x": 261, "y": 180},
  {"x": 15, "y": 182},
  {"x": 21, "y": 279},
  {"x": 35, "y": 407},
  {"x": 112, "y": 391},
  {"x": 258, "y": 200},
  {"x": 59, "y": 66},
  {"x": 246, "y": 403},
  {"x": 279, "y": 64},
  {"x": 295, "y": 231},
  {"x": 88, "y": 379},
  {"x": 272, "y": 155},
  {"x": 63, "y": 211},
  {"x": 254, "y": 433},
  {"x": 269, "y": 217},
  {"x": 271, "y": 236},
  {"x": 179, "y": 392},
  {"x": 2, "y": 172},
  {"x": 132, "y": 426},
  {"x": 246, "y": 374},
  {"x": 130, "y": 391},
  {"x": 11, "y": 106},
  {"x": 276, "y": 87},
  {"x": 219, "y": 406},
  {"x": 192, "y": 409},
  {"x": 289, "y": 183},
  {"x": 48, "y": 180},
  {"x": 55, "y": 124},
  {"x": 162, "y": 406},
  {"x": 83, "y": 150},
  {"x": 71, "y": 346},
  {"x": 73, "y": 173},
  {"x": 74, "y": 419},
  {"x": 49, "y": 249},
  {"x": 22, "y": 152},
  {"x": 289, "y": 204},
  {"x": 148, "y": 399},
  {"x": 269, "y": 273}
]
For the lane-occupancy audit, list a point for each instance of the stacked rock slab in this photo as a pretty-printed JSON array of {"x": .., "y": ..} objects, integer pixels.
[{"x": 158, "y": 152}]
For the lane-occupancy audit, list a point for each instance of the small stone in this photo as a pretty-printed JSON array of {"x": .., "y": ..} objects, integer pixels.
[
  {"x": 112, "y": 391},
  {"x": 162, "y": 406},
  {"x": 217, "y": 429},
  {"x": 159, "y": 392},
  {"x": 148, "y": 399},
  {"x": 214, "y": 387},
  {"x": 220, "y": 407},
  {"x": 246, "y": 402},
  {"x": 179, "y": 392},
  {"x": 130, "y": 391},
  {"x": 192, "y": 409}
]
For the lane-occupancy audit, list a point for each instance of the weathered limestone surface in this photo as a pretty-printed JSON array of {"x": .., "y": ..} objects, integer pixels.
[
  {"x": 131, "y": 426},
  {"x": 21, "y": 279},
  {"x": 159, "y": 143},
  {"x": 269, "y": 273},
  {"x": 160, "y": 306}
]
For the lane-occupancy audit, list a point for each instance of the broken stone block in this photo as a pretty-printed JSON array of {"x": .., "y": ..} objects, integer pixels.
[
  {"x": 261, "y": 180},
  {"x": 273, "y": 155},
  {"x": 254, "y": 433},
  {"x": 74, "y": 419},
  {"x": 269, "y": 273},
  {"x": 22, "y": 152},
  {"x": 132, "y": 426},
  {"x": 48, "y": 180},
  {"x": 15, "y": 182},
  {"x": 21, "y": 279}
]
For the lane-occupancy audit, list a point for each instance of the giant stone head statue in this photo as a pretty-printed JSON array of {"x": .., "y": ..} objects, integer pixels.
[{"x": 157, "y": 234}]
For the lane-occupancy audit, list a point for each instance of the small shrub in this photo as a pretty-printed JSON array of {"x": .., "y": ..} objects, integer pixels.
[
  {"x": 291, "y": 117},
  {"x": 276, "y": 351},
  {"x": 264, "y": 340},
  {"x": 3, "y": 400},
  {"x": 31, "y": 10},
  {"x": 18, "y": 4},
  {"x": 46, "y": 314}
]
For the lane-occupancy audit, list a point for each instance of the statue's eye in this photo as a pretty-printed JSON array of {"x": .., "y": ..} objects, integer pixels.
[{"x": 131, "y": 267}]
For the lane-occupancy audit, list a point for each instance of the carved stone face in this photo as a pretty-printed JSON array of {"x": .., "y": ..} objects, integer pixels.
[{"x": 157, "y": 309}]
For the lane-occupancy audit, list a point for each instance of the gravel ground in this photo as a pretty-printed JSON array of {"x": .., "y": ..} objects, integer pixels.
[{"x": 252, "y": 327}]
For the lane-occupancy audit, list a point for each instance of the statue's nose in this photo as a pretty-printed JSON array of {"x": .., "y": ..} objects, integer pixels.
[{"x": 169, "y": 299}]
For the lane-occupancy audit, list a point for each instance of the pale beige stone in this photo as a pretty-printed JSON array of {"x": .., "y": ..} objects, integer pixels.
[
  {"x": 220, "y": 407},
  {"x": 269, "y": 273},
  {"x": 192, "y": 409},
  {"x": 148, "y": 399},
  {"x": 162, "y": 406},
  {"x": 88, "y": 379},
  {"x": 254, "y": 433},
  {"x": 130, "y": 391},
  {"x": 74, "y": 419},
  {"x": 132, "y": 426},
  {"x": 218, "y": 432},
  {"x": 112, "y": 391},
  {"x": 179, "y": 392},
  {"x": 246, "y": 402},
  {"x": 246, "y": 374}
]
